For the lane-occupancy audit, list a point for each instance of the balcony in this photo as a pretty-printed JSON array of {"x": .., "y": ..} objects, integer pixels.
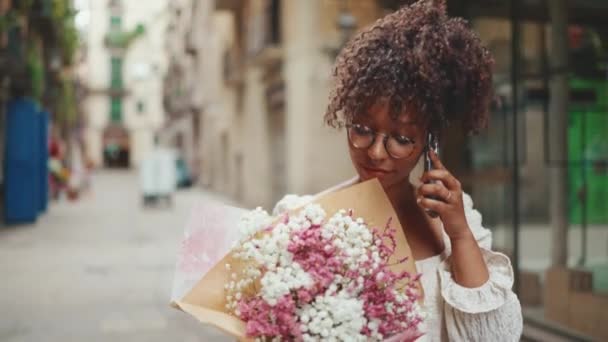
[{"x": 122, "y": 39}]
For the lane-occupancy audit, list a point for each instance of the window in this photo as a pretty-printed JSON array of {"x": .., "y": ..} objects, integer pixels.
[
  {"x": 116, "y": 73},
  {"x": 115, "y": 109},
  {"x": 274, "y": 34},
  {"x": 140, "y": 107},
  {"x": 115, "y": 22},
  {"x": 228, "y": 66},
  {"x": 264, "y": 28},
  {"x": 115, "y": 4}
]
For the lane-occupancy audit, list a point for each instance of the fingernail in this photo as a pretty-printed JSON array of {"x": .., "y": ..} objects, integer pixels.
[{"x": 419, "y": 200}]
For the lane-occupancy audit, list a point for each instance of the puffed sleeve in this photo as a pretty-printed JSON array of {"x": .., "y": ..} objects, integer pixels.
[{"x": 490, "y": 312}]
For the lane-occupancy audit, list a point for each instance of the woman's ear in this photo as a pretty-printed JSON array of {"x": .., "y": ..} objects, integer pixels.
[{"x": 417, "y": 172}]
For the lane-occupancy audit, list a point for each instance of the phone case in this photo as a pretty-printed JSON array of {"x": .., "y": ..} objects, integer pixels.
[{"x": 431, "y": 144}]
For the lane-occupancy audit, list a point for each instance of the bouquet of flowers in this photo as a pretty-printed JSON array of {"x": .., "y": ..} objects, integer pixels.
[{"x": 309, "y": 276}]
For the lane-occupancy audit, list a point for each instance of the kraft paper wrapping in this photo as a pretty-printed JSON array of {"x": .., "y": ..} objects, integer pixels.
[{"x": 206, "y": 300}]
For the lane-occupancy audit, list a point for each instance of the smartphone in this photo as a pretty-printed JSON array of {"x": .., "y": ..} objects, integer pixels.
[{"x": 432, "y": 143}]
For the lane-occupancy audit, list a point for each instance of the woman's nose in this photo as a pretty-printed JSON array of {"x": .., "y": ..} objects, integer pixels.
[{"x": 377, "y": 151}]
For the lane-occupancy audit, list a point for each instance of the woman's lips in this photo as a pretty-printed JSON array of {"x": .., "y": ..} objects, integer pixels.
[{"x": 375, "y": 172}]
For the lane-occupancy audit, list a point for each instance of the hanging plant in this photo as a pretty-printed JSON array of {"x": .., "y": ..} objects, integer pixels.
[
  {"x": 63, "y": 15},
  {"x": 66, "y": 104},
  {"x": 69, "y": 43},
  {"x": 23, "y": 6},
  {"x": 123, "y": 39},
  {"x": 8, "y": 21},
  {"x": 35, "y": 67},
  {"x": 59, "y": 9}
]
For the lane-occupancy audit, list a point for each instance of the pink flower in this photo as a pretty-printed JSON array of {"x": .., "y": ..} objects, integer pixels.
[
  {"x": 264, "y": 320},
  {"x": 380, "y": 290},
  {"x": 316, "y": 255}
]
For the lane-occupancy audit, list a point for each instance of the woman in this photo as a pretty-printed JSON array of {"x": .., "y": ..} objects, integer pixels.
[{"x": 413, "y": 72}]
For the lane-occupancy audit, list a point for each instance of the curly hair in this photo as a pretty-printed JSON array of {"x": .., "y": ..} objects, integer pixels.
[{"x": 418, "y": 57}]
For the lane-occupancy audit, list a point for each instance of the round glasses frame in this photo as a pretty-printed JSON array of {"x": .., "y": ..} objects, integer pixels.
[{"x": 385, "y": 140}]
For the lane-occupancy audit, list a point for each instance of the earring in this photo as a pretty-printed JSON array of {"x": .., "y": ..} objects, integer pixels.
[{"x": 417, "y": 172}]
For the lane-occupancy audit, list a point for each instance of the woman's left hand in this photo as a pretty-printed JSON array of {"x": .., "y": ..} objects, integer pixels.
[{"x": 448, "y": 203}]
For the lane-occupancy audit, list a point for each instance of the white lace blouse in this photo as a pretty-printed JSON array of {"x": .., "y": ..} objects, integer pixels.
[{"x": 490, "y": 312}]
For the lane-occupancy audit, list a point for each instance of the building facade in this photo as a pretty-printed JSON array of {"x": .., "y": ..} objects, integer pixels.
[
  {"x": 123, "y": 77},
  {"x": 246, "y": 91}
]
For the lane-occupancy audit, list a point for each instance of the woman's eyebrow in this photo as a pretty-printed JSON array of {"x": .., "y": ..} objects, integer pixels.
[
  {"x": 406, "y": 128},
  {"x": 406, "y": 120}
]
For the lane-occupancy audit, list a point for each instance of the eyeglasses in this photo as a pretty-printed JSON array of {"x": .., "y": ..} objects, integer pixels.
[{"x": 397, "y": 146}]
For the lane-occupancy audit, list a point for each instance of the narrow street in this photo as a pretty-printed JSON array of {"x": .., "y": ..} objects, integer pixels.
[{"x": 99, "y": 269}]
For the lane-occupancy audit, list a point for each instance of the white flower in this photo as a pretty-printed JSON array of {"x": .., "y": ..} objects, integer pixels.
[
  {"x": 253, "y": 221},
  {"x": 353, "y": 237},
  {"x": 333, "y": 317},
  {"x": 276, "y": 284},
  {"x": 315, "y": 213}
]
